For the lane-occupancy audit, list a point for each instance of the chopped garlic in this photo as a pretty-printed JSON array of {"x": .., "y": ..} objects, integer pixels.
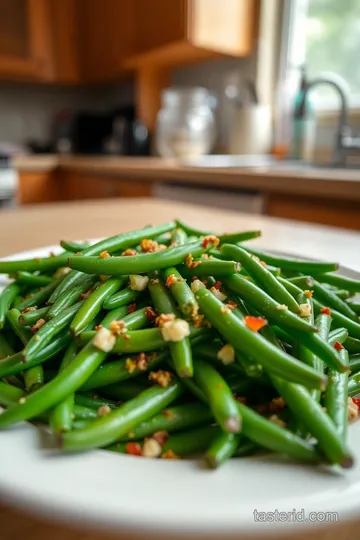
[
  {"x": 138, "y": 283},
  {"x": 104, "y": 340},
  {"x": 175, "y": 330},
  {"x": 274, "y": 419},
  {"x": 353, "y": 411},
  {"x": 305, "y": 310},
  {"x": 219, "y": 295},
  {"x": 196, "y": 285},
  {"x": 151, "y": 448},
  {"x": 104, "y": 410},
  {"x": 282, "y": 307},
  {"x": 226, "y": 354}
]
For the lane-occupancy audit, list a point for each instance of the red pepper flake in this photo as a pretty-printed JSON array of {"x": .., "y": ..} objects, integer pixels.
[
  {"x": 131, "y": 308},
  {"x": 170, "y": 280},
  {"x": 161, "y": 437},
  {"x": 338, "y": 346},
  {"x": 97, "y": 327},
  {"x": 231, "y": 304},
  {"x": 217, "y": 285},
  {"x": 194, "y": 278},
  {"x": 133, "y": 448},
  {"x": 356, "y": 400},
  {"x": 210, "y": 240},
  {"x": 150, "y": 314},
  {"x": 325, "y": 310},
  {"x": 255, "y": 323}
]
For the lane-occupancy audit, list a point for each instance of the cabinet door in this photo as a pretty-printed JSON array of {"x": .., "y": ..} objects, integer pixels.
[
  {"x": 159, "y": 22},
  {"x": 25, "y": 39}
]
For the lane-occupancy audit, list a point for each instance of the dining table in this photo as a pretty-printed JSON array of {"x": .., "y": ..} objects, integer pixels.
[{"x": 25, "y": 228}]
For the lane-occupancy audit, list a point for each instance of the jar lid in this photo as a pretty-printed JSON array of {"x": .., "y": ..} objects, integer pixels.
[{"x": 183, "y": 95}]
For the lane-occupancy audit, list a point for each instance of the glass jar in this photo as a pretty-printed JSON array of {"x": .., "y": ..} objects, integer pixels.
[{"x": 185, "y": 124}]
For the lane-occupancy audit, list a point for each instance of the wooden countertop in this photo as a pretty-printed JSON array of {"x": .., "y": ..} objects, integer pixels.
[
  {"x": 37, "y": 226},
  {"x": 327, "y": 183}
]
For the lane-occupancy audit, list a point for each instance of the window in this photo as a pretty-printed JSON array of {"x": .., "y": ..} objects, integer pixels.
[{"x": 325, "y": 36}]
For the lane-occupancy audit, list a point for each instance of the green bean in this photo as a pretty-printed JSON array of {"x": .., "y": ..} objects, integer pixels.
[
  {"x": 6, "y": 299},
  {"x": 118, "y": 370},
  {"x": 40, "y": 297},
  {"x": 34, "y": 265},
  {"x": 32, "y": 280},
  {"x": 5, "y": 348},
  {"x": 70, "y": 296},
  {"x": 303, "y": 353},
  {"x": 162, "y": 300},
  {"x": 354, "y": 385},
  {"x": 191, "y": 231},
  {"x": 115, "y": 425},
  {"x": 82, "y": 412},
  {"x": 237, "y": 238},
  {"x": 341, "y": 321},
  {"x": 271, "y": 436},
  {"x": 94, "y": 402},
  {"x": 247, "y": 448},
  {"x": 133, "y": 321},
  {"x": 341, "y": 282},
  {"x": 304, "y": 282},
  {"x": 65, "y": 383},
  {"x": 178, "y": 237},
  {"x": 123, "y": 391},
  {"x": 192, "y": 441},
  {"x": 355, "y": 306},
  {"x": 61, "y": 416},
  {"x": 352, "y": 345},
  {"x": 171, "y": 419},
  {"x": 29, "y": 318},
  {"x": 343, "y": 294},
  {"x": 114, "y": 315},
  {"x": 327, "y": 297},
  {"x": 260, "y": 300},
  {"x": 262, "y": 276},
  {"x": 339, "y": 334},
  {"x": 219, "y": 395},
  {"x": 9, "y": 395},
  {"x": 291, "y": 263},
  {"x": 354, "y": 362},
  {"x": 15, "y": 364},
  {"x": 210, "y": 267},
  {"x": 121, "y": 298},
  {"x": 181, "y": 350},
  {"x": 315, "y": 343},
  {"x": 253, "y": 344},
  {"x": 50, "y": 330},
  {"x": 136, "y": 264},
  {"x": 111, "y": 245},
  {"x": 223, "y": 447},
  {"x": 93, "y": 304},
  {"x": 336, "y": 398},
  {"x": 311, "y": 414},
  {"x": 181, "y": 292},
  {"x": 33, "y": 376},
  {"x": 73, "y": 247}
]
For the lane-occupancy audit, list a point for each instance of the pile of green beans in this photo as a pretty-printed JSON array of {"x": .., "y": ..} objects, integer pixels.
[{"x": 171, "y": 341}]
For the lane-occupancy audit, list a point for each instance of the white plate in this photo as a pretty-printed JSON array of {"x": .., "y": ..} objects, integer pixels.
[{"x": 169, "y": 497}]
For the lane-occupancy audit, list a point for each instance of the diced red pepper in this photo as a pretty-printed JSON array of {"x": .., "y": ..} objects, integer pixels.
[
  {"x": 356, "y": 400},
  {"x": 133, "y": 448},
  {"x": 131, "y": 308},
  {"x": 325, "y": 310},
  {"x": 338, "y": 346},
  {"x": 217, "y": 285},
  {"x": 161, "y": 437},
  {"x": 210, "y": 240},
  {"x": 255, "y": 323}
]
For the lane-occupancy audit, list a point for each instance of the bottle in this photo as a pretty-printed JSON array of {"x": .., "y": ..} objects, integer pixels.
[
  {"x": 285, "y": 96},
  {"x": 303, "y": 123}
]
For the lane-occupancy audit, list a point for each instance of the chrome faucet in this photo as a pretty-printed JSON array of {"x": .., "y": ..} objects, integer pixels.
[{"x": 344, "y": 140}]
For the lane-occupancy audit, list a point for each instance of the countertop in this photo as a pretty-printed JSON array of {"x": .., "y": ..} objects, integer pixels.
[
  {"x": 37, "y": 226},
  {"x": 327, "y": 183}
]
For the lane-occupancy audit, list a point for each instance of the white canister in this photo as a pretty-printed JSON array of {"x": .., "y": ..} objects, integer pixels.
[{"x": 251, "y": 130}]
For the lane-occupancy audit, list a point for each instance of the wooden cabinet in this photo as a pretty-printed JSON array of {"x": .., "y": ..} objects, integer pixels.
[
  {"x": 79, "y": 186},
  {"x": 25, "y": 40}
]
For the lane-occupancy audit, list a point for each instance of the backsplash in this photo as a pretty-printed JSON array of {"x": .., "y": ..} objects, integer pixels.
[{"x": 26, "y": 112}]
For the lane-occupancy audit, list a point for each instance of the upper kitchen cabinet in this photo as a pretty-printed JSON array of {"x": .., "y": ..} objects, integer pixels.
[
  {"x": 25, "y": 40},
  {"x": 121, "y": 35},
  {"x": 38, "y": 40}
]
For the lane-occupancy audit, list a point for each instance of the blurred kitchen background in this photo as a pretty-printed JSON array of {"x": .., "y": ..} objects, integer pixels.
[{"x": 252, "y": 105}]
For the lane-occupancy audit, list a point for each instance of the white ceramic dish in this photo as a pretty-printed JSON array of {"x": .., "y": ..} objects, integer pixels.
[{"x": 169, "y": 497}]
